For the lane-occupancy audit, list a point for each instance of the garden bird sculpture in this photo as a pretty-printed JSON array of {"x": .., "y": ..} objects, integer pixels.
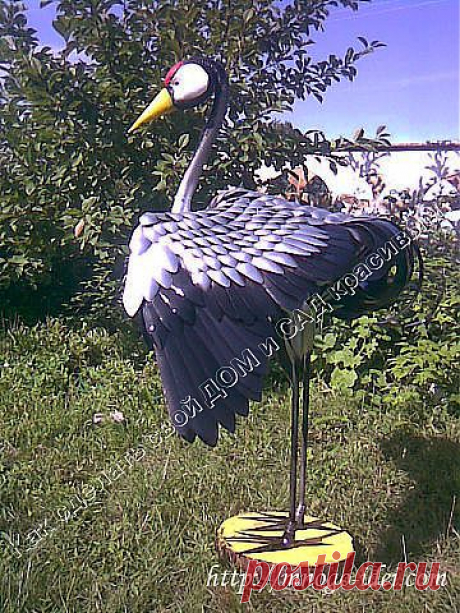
[{"x": 212, "y": 286}]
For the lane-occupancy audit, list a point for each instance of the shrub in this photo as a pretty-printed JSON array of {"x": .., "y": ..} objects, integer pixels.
[{"x": 405, "y": 358}]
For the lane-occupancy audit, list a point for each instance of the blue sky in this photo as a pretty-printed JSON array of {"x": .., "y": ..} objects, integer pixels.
[{"x": 412, "y": 85}]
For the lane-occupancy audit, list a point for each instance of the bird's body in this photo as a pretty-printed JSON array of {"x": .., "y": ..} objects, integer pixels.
[
  {"x": 212, "y": 284},
  {"x": 218, "y": 291}
]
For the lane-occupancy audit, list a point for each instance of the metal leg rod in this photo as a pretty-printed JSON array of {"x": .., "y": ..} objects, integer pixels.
[
  {"x": 289, "y": 533},
  {"x": 304, "y": 447}
]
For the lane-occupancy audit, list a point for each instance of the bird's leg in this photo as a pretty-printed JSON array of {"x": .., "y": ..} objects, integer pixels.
[
  {"x": 304, "y": 447},
  {"x": 289, "y": 533}
]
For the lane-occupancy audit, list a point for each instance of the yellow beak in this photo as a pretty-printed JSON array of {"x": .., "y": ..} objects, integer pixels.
[{"x": 161, "y": 105}]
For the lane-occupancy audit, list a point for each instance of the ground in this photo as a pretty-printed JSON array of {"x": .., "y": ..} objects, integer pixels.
[{"x": 121, "y": 515}]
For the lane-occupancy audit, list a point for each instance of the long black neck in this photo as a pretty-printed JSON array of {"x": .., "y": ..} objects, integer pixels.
[{"x": 187, "y": 187}]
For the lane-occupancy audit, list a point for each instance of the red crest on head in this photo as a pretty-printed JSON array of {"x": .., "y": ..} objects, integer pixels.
[{"x": 171, "y": 72}]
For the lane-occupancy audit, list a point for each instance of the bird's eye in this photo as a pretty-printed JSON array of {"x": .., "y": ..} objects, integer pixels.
[{"x": 176, "y": 82}]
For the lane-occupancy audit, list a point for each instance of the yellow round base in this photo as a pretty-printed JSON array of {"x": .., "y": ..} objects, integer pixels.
[{"x": 257, "y": 536}]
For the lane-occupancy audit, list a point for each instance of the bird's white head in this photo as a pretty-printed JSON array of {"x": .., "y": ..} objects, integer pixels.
[{"x": 187, "y": 84}]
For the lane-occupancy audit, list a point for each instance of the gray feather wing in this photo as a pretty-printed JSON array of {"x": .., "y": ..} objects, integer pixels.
[
  {"x": 210, "y": 284},
  {"x": 245, "y": 237}
]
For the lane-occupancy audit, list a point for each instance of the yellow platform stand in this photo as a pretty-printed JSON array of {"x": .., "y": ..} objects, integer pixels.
[{"x": 257, "y": 536}]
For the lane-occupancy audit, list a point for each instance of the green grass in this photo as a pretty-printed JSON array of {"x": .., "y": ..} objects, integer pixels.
[{"x": 145, "y": 541}]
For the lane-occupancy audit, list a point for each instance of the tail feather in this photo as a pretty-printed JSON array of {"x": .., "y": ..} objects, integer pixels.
[{"x": 390, "y": 255}]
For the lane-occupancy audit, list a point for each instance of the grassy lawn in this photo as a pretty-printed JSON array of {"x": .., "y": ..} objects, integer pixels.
[{"x": 125, "y": 514}]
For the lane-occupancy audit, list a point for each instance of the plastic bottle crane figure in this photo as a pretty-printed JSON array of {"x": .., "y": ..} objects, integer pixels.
[{"x": 211, "y": 286}]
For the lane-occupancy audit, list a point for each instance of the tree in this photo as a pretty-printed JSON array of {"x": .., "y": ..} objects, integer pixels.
[{"x": 64, "y": 154}]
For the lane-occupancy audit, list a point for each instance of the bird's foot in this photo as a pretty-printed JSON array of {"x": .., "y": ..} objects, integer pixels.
[{"x": 288, "y": 537}]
